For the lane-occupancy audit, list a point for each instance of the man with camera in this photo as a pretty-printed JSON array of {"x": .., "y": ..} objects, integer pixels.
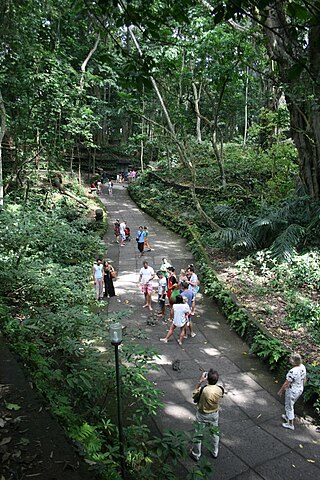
[{"x": 207, "y": 396}]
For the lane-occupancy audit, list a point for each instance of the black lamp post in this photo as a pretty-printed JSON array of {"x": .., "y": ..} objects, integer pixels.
[{"x": 116, "y": 339}]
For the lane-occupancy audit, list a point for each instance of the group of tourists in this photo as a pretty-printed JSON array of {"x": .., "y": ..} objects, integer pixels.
[
  {"x": 178, "y": 291},
  {"x": 121, "y": 232},
  {"x": 103, "y": 274}
]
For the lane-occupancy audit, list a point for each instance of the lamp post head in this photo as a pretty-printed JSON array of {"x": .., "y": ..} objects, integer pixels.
[{"x": 116, "y": 333}]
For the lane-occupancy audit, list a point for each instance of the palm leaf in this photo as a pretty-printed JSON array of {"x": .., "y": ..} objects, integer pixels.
[{"x": 284, "y": 245}]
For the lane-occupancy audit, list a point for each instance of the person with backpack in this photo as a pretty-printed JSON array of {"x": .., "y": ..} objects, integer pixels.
[
  {"x": 207, "y": 397},
  {"x": 140, "y": 236}
]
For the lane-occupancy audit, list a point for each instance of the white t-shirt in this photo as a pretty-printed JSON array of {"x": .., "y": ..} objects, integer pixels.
[
  {"x": 179, "y": 313},
  {"x": 296, "y": 376},
  {"x": 162, "y": 283},
  {"x": 122, "y": 228},
  {"x": 146, "y": 274},
  {"x": 194, "y": 279}
]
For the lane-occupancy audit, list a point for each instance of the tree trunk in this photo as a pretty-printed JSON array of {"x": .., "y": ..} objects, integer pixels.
[
  {"x": 2, "y": 132},
  {"x": 246, "y": 109},
  {"x": 302, "y": 90},
  {"x": 180, "y": 147},
  {"x": 196, "y": 95}
]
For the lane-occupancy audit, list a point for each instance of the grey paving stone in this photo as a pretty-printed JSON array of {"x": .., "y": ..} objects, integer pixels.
[
  {"x": 248, "y": 475},
  {"x": 259, "y": 405},
  {"x": 255, "y": 446},
  {"x": 289, "y": 466}
]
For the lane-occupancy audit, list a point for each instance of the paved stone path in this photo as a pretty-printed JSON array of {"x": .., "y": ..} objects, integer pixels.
[{"x": 253, "y": 443}]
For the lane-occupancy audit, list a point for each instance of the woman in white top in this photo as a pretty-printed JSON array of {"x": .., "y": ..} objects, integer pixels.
[
  {"x": 97, "y": 274},
  {"x": 293, "y": 388},
  {"x": 180, "y": 311},
  {"x": 192, "y": 280}
]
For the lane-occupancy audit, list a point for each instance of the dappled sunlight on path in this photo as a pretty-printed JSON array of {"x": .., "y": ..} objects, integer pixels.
[{"x": 253, "y": 443}]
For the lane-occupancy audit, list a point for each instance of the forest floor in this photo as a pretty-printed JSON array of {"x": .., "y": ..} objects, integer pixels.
[
  {"x": 32, "y": 444},
  {"x": 266, "y": 304}
]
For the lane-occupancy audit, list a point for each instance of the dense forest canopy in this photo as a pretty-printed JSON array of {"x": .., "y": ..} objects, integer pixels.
[
  {"x": 216, "y": 104},
  {"x": 82, "y": 79}
]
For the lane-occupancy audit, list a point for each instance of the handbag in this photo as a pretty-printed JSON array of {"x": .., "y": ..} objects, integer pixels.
[
  {"x": 197, "y": 395},
  {"x": 113, "y": 274}
]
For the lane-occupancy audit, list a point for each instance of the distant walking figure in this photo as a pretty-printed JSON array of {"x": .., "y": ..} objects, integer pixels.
[
  {"x": 123, "y": 226},
  {"x": 140, "y": 236},
  {"x": 146, "y": 240},
  {"x": 293, "y": 388},
  {"x": 116, "y": 229},
  {"x": 97, "y": 273}
]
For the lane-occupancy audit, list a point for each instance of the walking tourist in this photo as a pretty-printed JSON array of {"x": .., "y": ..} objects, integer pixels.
[
  {"x": 187, "y": 295},
  {"x": 116, "y": 229},
  {"x": 293, "y": 388},
  {"x": 122, "y": 229},
  {"x": 146, "y": 240},
  {"x": 173, "y": 289},
  {"x": 146, "y": 275},
  {"x": 108, "y": 271},
  {"x": 162, "y": 289},
  {"x": 207, "y": 394},
  {"x": 140, "y": 236},
  {"x": 164, "y": 267},
  {"x": 97, "y": 273},
  {"x": 193, "y": 281}
]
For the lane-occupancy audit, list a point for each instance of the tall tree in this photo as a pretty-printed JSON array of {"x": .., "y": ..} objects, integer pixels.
[{"x": 292, "y": 30}]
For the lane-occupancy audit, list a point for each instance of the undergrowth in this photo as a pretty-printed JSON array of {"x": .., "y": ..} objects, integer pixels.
[{"x": 50, "y": 318}]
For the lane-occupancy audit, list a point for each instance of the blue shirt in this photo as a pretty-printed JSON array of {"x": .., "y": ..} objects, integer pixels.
[
  {"x": 189, "y": 295},
  {"x": 141, "y": 236}
]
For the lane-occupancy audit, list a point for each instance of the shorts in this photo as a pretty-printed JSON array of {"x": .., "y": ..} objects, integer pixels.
[
  {"x": 141, "y": 246},
  {"x": 161, "y": 300},
  {"x": 147, "y": 288}
]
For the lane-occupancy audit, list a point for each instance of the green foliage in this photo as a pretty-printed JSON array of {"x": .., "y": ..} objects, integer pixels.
[
  {"x": 312, "y": 387},
  {"x": 270, "y": 349}
]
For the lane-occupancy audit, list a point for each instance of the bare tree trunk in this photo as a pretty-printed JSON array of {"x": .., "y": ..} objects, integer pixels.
[
  {"x": 304, "y": 108},
  {"x": 180, "y": 147},
  {"x": 196, "y": 95},
  {"x": 2, "y": 133},
  {"x": 86, "y": 60},
  {"x": 246, "y": 109}
]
